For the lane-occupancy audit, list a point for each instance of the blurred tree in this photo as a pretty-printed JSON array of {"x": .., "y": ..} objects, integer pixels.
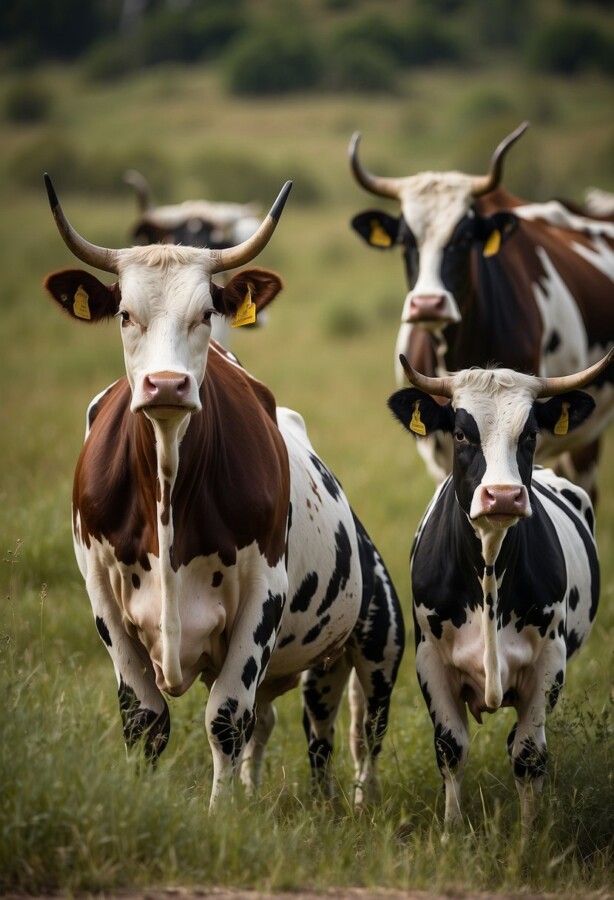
[
  {"x": 55, "y": 29},
  {"x": 571, "y": 44},
  {"x": 273, "y": 60}
]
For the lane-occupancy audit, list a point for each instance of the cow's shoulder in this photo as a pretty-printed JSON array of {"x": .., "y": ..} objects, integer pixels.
[{"x": 446, "y": 557}]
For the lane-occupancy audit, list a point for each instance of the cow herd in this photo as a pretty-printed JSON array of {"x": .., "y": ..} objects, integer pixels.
[{"x": 216, "y": 545}]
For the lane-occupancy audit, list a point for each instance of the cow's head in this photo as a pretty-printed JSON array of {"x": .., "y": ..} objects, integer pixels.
[
  {"x": 494, "y": 416},
  {"x": 438, "y": 228},
  {"x": 165, "y": 301}
]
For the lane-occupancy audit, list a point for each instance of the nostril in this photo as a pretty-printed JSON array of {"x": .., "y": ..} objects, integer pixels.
[
  {"x": 166, "y": 387},
  {"x": 503, "y": 499}
]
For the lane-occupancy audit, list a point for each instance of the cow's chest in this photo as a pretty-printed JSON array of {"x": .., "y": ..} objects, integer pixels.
[
  {"x": 528, "y": 660},
  {"x": 213, "y": 600}
]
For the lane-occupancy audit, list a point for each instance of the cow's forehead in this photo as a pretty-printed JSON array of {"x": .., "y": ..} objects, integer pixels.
[
  {"x": 498, "y": 399},
  {"x": 173, "y": 276},
  {"x": 434, "y": 202}
]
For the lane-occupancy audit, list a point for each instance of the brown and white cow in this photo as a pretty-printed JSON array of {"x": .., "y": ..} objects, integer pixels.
[
  {"x": 214, "y": 543},
  {"x": 504, "y": 568},
  {"x": 493, "y": 279}
]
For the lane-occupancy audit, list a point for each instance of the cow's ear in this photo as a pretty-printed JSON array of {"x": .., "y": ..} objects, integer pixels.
[
  {"x": 563, "y": 413},
  {"x": 82, "y": 295},
  {"x": 495, "y": 230},
  {"x": 377, "y": 228},
  {"x": 420, "y": 413},
  {"x": 246, "y": 294}
]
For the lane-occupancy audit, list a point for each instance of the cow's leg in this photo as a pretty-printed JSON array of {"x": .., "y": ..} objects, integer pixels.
[
  {"x": 376, "y": 649},
  {"x": 322, "y": 692},
  {"x": 230, "y": 714},
  {"x": 143, "y": 709},
  {"x": 527, "y": 739},
  {"x": 449, "y": 716},
  {"x": 381, "y": 642},
  {"x": 251, "y": 763}
]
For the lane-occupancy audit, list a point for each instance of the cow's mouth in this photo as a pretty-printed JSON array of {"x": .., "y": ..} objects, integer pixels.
[
  {"x": 167, "y": 410},
  {"x": 429, "y": 323},
  {"x": 496, "y": 520}
]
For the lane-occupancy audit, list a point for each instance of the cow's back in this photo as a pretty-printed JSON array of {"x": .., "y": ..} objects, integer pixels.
[
  {"x": 571, "y": 512},
  {"x": 324, "y": 576}
]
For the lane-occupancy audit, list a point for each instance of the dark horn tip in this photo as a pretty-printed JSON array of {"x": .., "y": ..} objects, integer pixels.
[
  {"x": 406, "y": 366},
  {"x": 53, "y": 197},
  {"x": 278, "y": 206}
]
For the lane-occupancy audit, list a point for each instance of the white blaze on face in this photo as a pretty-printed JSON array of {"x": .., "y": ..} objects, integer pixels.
[
  {"x": 165, "y": 296},
  {"x": 433, "y": 204},
  {"x": 500, "y": 402}
]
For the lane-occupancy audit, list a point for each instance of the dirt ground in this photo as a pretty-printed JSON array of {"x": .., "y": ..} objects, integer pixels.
[{"x": 332, "y": 894}]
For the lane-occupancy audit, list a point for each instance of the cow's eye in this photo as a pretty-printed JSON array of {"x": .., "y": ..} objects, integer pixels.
[
  {"x": 207, "y": 315},
  {"x": 531, "y": 437},
  {"x": 460, "y": 437},
  {"x": 124, "y": 316}
]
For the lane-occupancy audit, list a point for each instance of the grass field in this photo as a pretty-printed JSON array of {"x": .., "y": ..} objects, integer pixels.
[{"x": 75, "y": 816}]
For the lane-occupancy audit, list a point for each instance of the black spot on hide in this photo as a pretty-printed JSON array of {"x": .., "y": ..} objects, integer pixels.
[
  {"x": 304, "y": 594},
  {"x": 217, "y": 579},
  {"x": 328, "y": 479},
  {"x": 103, "y": 631}
]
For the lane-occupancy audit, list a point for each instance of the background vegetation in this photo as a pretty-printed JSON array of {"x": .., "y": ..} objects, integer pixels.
[{"x": 74, "y": 814}]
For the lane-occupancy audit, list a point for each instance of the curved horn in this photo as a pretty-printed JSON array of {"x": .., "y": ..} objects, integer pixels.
[
  {"x": 482, "y": 184},
  {"x": 549, "y": 387},
  {"x": 98, "y": 257},
  {"x": 231, "y": 257},
  {"x": 376, "y": 184},
  {"x": 141, "y": 186},
  {"x": 440, "y": 387}
]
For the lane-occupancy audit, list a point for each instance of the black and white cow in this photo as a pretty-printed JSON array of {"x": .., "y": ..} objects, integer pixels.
[{"x": 504, "y": 568}]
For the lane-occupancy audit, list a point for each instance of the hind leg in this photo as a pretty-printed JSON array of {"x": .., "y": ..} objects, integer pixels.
[
  {"x": 377, "y": 646},
  {"x": 322, "y": 692}
]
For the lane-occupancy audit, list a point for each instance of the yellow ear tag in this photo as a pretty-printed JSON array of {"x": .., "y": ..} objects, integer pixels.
[
  {"x": 417, "y": 425},
  {"x": 81, "y": 307},
  {"x": 562, "y": 426},
  {"x": 378, "y": 237},
  {"x": 246, "y": 313},
  {"x": 493, "y": 244}
]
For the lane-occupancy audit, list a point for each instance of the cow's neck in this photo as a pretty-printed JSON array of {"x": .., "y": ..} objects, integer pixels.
[{"x": 168, "y": 435}]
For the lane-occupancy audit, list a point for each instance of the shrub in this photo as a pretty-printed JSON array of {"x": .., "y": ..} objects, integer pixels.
[
  {"x": 273, "y": 61},
  {"x": 571, "y": 44},
  {"x": 28, "y": 101},
  {"x": 425, "y": 41},
  {"x": 110, "y": 60},
  {"x": 360, "y": 67},
  {"x": 368, "y": 33},
  {"x": 179, "y": 35}
]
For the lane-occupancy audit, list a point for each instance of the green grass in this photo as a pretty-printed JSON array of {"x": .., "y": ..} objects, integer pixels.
[{"x": 75, "y": 815}]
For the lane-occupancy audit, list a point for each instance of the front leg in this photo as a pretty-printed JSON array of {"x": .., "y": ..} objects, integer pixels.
[
  {"x": 144, "y": 711},
  {"x": 527, "y": 740},
  {"x": 231, "y": 708},
  {"x": 449, "y": 716}
]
